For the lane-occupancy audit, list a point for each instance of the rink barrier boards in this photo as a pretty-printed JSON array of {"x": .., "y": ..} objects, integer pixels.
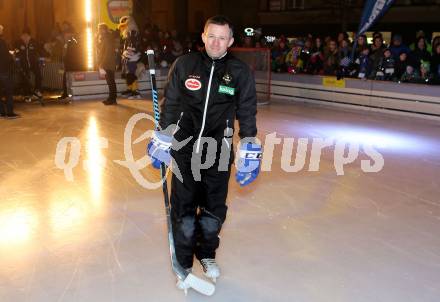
[
  {"x": 51, "y": 75},
  {"x": 92, "y": 84},
  {"x": 401, "y": 98},
  {"x": 391, "y": 97}
]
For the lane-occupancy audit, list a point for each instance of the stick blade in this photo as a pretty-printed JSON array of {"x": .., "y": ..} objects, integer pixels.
[{"x": 202, "y": 286}]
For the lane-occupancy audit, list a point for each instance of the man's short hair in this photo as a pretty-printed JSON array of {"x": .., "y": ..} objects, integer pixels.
[{"x": 220, "y": 20}]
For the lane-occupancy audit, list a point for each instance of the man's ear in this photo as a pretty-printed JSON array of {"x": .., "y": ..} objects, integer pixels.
[
  {"x": 231, "y": 41},
  {"x": 204, "y": 37}
]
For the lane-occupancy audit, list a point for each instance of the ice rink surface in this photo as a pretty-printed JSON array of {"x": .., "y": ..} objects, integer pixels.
[{"x": 96, "y": 234}]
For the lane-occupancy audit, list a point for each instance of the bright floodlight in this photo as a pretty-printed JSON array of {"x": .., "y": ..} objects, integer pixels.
[{"x": 89, "y": 35}]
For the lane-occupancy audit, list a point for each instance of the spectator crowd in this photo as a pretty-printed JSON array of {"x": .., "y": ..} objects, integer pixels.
[
  {"x": 337, "y": 56},
  {"x": 418, "y": 62}
]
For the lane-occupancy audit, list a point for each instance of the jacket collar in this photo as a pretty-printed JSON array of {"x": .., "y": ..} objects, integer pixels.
[{"x": 209, "y": 60}]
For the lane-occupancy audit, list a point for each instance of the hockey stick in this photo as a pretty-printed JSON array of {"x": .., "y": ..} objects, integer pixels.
[{"x": 200, "y": 285}]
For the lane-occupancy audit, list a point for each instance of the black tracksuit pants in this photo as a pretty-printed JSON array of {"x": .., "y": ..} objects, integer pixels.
[
  {"x": 26, "y": 79},
  {"x": 198, "y": 210}
]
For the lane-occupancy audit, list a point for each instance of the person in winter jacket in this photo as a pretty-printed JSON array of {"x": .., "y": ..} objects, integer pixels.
[
  {"x": 400, "y": 65},
  {"x": 385, "y": 68},
  {"x": 6, "y": 83},
  {"x": 29, "y": 53},
  {"x": 435, "y": 64},
  {"x": 363, "y": 63},
  {"x": 420, "y": 52},
  {"x": 204, "y": 95},
  {"x": 106, "y": 60}
]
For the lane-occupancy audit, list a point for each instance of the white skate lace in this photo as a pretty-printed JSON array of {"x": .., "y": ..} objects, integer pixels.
[{"x": 207, "y": 263}]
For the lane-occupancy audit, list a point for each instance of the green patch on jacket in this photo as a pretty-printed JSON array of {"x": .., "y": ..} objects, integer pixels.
[{"x": 226, "y": 90}]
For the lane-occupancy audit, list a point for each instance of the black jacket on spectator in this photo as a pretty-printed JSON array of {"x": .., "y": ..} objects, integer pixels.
[
  {"x": 419, "y": 55},
  {"x": 363, "y": 66},
  {"x": 29, "y": 54},
  {"x": 435, "y": 65},
  {"x": 73, "y": 57},
  {"x": 305, "y": 57},
  {"x": 316, "y": 60},
  {"x": 5, "y": 57},
  {"x": 386, "y": 68},
  {"x": 435, "y": 68},
  {"x": 376, "y": 56},
  {"x": 106, "y": 56},
  {"x": 331, "y": 62},
  {"x": 400, "y": 68}
]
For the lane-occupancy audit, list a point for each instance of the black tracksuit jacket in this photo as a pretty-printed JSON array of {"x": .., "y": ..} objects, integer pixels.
[
  {"x": 205, "y": 96},
  {"x": 29, "y": 54}
]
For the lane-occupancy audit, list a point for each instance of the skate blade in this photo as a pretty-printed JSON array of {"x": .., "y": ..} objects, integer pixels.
[{"x": 202, "y": 286}]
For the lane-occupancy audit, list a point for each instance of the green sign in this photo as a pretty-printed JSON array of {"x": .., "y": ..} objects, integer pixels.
[{"x": 226, "y": 90}]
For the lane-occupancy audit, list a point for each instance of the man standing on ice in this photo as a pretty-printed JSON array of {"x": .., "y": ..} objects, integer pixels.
[{"x": 206, "y": 91}]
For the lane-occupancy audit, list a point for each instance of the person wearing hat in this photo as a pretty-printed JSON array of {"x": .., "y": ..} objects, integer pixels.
[{"x": 6, "y": 82}]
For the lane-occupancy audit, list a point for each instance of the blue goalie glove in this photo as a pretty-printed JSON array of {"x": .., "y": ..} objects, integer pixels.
[
  {"x": 159, "y": 149},
  {"x": 248, "y": 166}
]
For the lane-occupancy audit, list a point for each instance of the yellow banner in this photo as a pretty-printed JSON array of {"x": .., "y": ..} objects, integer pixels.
[
  {"x": 333, "y": 82},
  {"x": 110, "y": 11}
]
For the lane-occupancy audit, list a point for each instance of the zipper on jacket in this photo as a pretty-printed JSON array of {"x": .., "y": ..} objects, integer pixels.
[
  {"x": 27, "y": 55},
  {"x": 228, "y": 134},
  {"x": 206, "y": 107}
]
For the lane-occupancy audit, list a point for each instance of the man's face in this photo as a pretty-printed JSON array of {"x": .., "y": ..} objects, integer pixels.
[{"x": 217, "y": 39}]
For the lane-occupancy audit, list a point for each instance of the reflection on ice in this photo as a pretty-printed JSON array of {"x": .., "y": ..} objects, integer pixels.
[
  {"x": 380, "y": 138},
  {"x": 17, "y": 225}
]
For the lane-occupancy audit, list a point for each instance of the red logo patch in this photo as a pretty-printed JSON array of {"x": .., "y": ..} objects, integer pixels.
[{"x": 193, "y": 84}]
